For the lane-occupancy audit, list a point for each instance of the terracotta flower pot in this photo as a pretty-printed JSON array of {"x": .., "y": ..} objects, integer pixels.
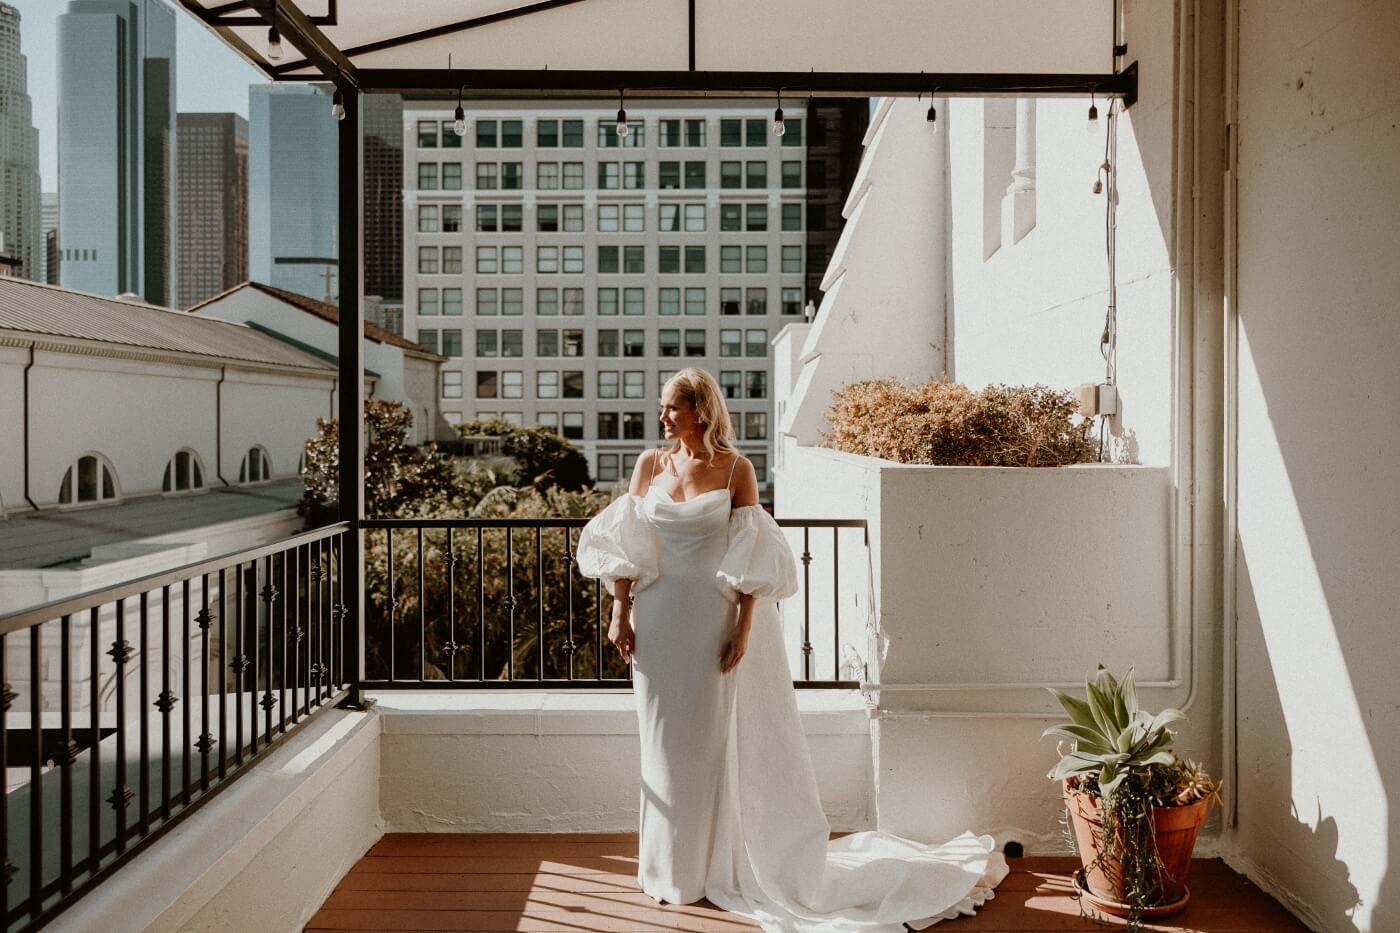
[{"x": 1176, "y": 829}]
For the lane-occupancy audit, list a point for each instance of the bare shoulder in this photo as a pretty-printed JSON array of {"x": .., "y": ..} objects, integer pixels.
[
  {"x": 745, "y": 482},
  {"x": 642, "y": 470}
]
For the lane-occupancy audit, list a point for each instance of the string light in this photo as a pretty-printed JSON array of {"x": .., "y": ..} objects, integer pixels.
[
  {"x": 779, "y": 126},
  {"x": 274, "y": 44},
  {"x": 459, "y": 116},
  {"x": 337, "y": 106},
  {"x": 621, "y": 117},
  {"x": 1093, "y": 114}
]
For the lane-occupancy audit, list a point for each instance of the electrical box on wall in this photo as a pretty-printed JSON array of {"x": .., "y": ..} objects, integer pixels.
[{"x": 1097, "y": 399}]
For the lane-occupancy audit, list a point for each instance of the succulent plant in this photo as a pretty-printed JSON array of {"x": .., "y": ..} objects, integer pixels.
[{"x": 1113, "y": 738}]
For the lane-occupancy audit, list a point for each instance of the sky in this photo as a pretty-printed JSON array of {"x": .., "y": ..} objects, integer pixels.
[{"x": 209, "y": 77}]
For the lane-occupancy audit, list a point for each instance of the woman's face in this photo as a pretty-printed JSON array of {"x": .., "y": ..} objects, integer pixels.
[{"x": 678, "y": 418}]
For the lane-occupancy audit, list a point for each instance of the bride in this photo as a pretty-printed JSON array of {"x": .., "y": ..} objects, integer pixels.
[{"x": 729, "y": 802}]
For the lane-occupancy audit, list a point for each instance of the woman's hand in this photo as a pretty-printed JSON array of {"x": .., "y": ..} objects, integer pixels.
[
  {"x": 620, "y": 631},
  {"x": 739, "y": 640},
  {"x": 734, "y": 648}
]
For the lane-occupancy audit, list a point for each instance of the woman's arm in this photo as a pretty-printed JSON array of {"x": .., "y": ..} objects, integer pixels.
[
  {"x": 620, "y": 631},
  {"x": 745, "y": 493}
]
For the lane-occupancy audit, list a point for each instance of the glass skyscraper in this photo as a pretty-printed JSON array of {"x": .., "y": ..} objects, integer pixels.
[
  {"x": 212, "y": 204},
  {"x": 21, "y": 239},
  {"x": 292, "y": 197},
  {"x": 116, "y": 148}
]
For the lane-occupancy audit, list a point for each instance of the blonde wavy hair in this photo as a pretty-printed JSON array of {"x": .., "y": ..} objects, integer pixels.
[{"x": 702, "y": 391}]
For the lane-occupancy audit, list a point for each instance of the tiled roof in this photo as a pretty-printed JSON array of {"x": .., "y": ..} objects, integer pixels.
[
  {"x": 47, "y": 310},
  {"x": 329, "y": 312}
]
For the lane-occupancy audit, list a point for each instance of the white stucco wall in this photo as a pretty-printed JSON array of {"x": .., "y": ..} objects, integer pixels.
[
  {"x": 138, "y": 412},
  {"x": 135, "y": 413},
  {"x": 566, "y": 761},
  {"x": 251, "y": 401},
  {"x": 991, "y": 584},
  {"x": 265, "y": 853},
  {"x": 883, "y": 312},
  {"x": 1033, "y": 311},
  {"x": 12, "y": 363},
  {"x": 1319, "y": 458},
  {"x": 400, "y": 379}
]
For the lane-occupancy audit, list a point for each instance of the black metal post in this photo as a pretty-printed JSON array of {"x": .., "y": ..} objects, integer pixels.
[{"x": 351, "y": 382}]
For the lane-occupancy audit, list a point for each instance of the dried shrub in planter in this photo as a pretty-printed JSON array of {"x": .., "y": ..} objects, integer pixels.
[{"x": 948, "y": 424}]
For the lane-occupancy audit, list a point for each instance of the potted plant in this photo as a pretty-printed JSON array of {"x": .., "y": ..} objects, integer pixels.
[{"x": 1134, "y": 806}]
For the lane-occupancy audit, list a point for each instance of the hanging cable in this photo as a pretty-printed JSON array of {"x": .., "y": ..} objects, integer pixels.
[{"x": 1108, "y": 341}]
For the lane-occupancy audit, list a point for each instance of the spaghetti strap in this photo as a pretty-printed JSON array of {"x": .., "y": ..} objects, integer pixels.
[
  {"x": 730, "y": 481},
  {"x": 654, "y": 461}
]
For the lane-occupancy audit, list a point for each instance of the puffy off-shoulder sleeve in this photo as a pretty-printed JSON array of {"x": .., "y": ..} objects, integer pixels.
[
  {"x": 759, "y": 560},
  {"x": 619, "y": 544}
]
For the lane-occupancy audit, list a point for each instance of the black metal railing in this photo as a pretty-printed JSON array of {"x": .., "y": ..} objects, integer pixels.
[
  {"x": 499, "y": 603},
  {"x": 131, "y": 706},
  {"x": 224, "y": 657}
]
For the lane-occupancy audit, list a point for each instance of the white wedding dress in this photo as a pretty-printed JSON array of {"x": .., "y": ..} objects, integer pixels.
[{"x": 729, "y": 802}]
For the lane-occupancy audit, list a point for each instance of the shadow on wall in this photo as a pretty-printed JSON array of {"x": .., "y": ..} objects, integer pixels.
[
  {"x": 1316, "y": 599},
  {"x": 1312, "y": 839}
]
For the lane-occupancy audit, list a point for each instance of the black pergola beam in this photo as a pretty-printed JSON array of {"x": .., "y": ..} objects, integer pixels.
[
  {"x": 446, "y": 29},
  {"x": 306, "y": 37},
  {"x": 643, "y": 84}
]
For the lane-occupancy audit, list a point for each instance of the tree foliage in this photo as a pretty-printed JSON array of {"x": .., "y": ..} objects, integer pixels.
[
  {"x": 484, "y": 598},
  {"x": 459, "y": 602},
  {"x": 543, "y": 459},
  {"x": 401, "y": 481}
]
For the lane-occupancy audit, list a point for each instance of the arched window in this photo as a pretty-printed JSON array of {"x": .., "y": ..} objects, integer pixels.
[
  {"x": 90, "y": 479},
  {"x": 256, "y": 467},
  {"x": 184, "y": 473}
]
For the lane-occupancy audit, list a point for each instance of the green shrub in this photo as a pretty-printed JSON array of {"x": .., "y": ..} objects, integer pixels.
[{"x": 948, "y": 424}]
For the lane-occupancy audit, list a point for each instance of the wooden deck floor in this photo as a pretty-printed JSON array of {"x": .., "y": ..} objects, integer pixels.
[{"x": 587, "y": 882}]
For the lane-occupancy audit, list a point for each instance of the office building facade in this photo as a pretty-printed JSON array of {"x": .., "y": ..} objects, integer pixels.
[
  {"x": 566, "y": 272},
  {"x": 382, "y": 121},
  {"x": 20, "y": 231},
  {"x": 211, "y": 201},
  {"x": 116, "y": 148}
]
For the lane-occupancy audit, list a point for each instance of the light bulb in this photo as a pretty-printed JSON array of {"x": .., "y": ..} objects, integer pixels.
[
  {"x": 459, "y": 121},
  {"x": 274, "y": 44},
  {"x": 1098, "y": 186},
  {"x": 779, "y": 126},
  {"x": 337, "y": 106},
  {"x": 932, "y": 117},
  {"x": 1093, "y": 118},
  {"x": 622, "y": 130}
]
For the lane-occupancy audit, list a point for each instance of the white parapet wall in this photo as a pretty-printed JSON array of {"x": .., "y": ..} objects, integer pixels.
[
  {"x": 265, "y": 853},
  {"x": 991, "y": 584},
  {"x": 567, "y": 761}
]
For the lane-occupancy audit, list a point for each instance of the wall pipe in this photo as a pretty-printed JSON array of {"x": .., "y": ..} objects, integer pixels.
[
  {"x": 28, "y": 366},
  {"x": 219, "y": 425}
]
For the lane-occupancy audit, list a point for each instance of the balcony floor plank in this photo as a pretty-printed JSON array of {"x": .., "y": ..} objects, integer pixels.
[{"x": 586, "y": 882}]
